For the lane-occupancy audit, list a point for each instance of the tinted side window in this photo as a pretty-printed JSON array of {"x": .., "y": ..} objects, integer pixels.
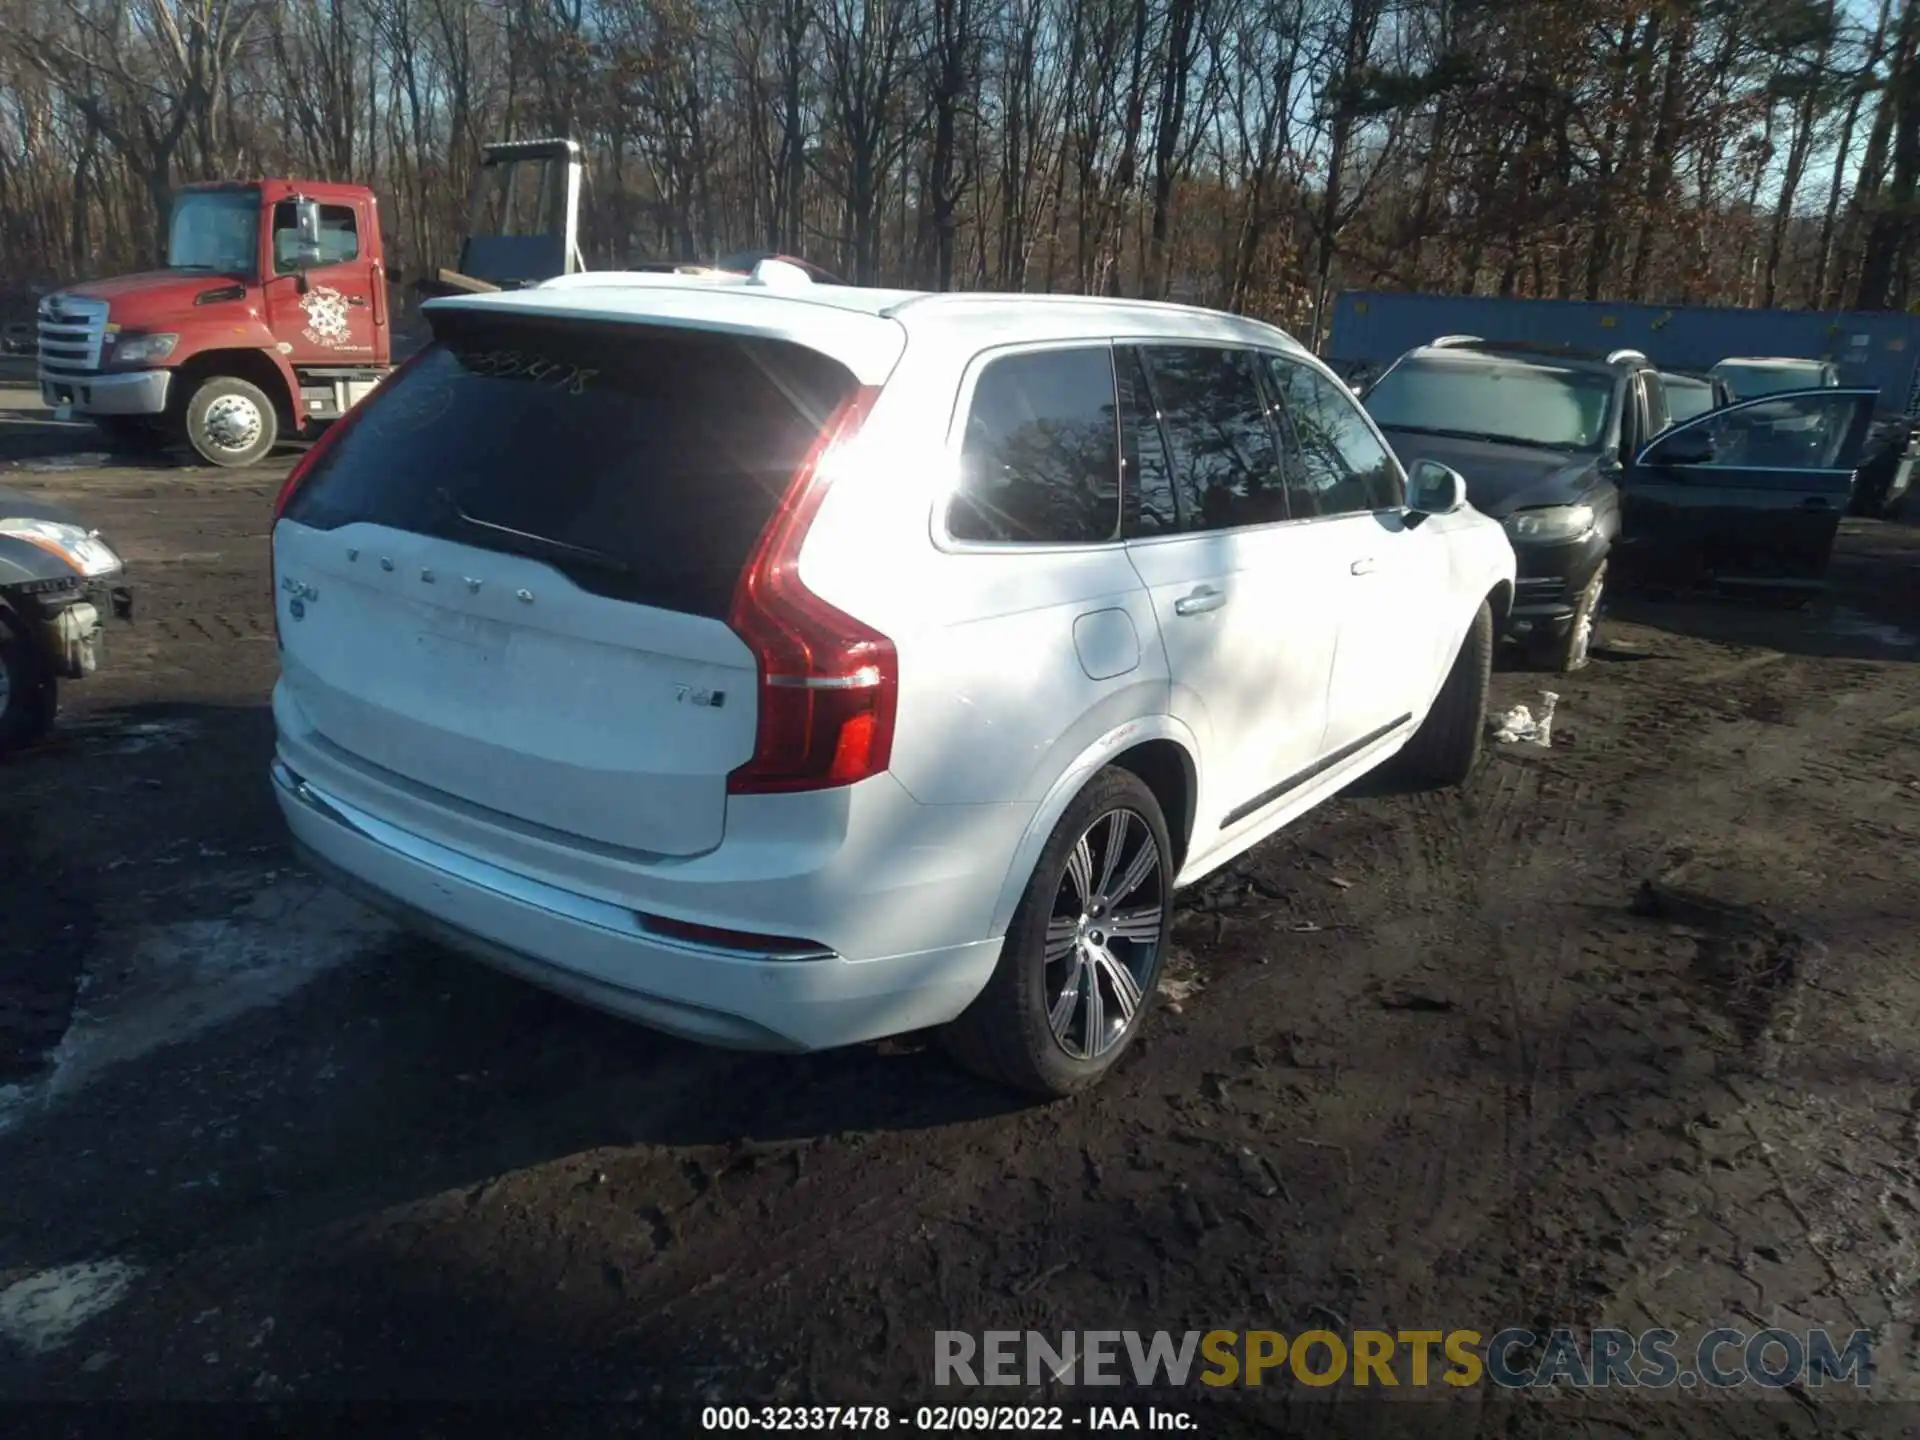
[
  {"x": 1226, "y": 463},
  {"x": 1343, "y": 467},
  {"x": 643, "y": 464},
  {"x": 339, "y": 236},
  {"x": 1040, "y": 463},
  {"x": 1149, "y": 470}
]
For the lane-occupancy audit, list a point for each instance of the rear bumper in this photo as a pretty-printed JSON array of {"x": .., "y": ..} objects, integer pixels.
[
  {"x": 136, "y": 392},
  {"x": 599, "y": 954}
]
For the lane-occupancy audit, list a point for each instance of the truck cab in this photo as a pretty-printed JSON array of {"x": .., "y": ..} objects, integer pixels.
[{"x": 270, "y": 316}]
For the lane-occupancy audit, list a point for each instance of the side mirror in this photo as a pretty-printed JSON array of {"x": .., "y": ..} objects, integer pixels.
[
  {"x": 1689, "y": 447},
  {"x": 306, "y": 226},
  {"x": 1434, "y": 489}
]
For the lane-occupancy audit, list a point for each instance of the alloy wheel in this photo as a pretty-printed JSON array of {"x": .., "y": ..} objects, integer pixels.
[{"x": 1103, "y": 938}]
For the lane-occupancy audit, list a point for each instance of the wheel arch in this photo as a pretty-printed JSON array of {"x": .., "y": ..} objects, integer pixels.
[
  {"x": 1500, "y": 600},
  {"x": 1159, "y": 749},
  {"x": 265, "y": 369}
]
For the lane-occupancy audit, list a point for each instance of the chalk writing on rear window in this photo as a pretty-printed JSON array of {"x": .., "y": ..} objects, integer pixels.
[
  {"x": 524, "y": 365},
  {"x": 412, "y": 406}
]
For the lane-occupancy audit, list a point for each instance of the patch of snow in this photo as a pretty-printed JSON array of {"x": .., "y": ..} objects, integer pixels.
[
  {"x": 167, "y": 983},
  {"x": 121, "y": 737},
  {"x": 152, "y": 735},
  {"x": 1854, "y": 625},
  {"x": 42, "y": 1312},
  {"x": 84, "y": 460}
]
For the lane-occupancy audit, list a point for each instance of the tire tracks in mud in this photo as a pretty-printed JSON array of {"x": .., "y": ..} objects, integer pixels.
[
  {"x": 649, "y": 1260},
  {"x": 1693, "y": 997},
  {"x": 1436, "y": 1070}
]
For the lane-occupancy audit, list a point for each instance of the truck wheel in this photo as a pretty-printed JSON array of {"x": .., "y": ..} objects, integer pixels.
[
  {"x": 1080, "y": 966},
  {"x": 29, "y": 695},
  {"x": 231, "y": 423},
  {"x": 1446, "y": 747},
  {"x": 1564, "y": 654}
]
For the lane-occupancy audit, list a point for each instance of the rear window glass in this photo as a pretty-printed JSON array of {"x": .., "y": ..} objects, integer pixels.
[
  {"x": 1040, "y": 461},
  {"x": 642, "y": 463}
]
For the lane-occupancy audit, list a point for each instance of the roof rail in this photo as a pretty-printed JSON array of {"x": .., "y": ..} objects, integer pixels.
[
  {"x": 1619, "y": 356},
  {"x": 1445, "y": 342}
]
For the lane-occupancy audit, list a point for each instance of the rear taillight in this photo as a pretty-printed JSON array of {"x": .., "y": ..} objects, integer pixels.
[{"x": 829, "y": 685}]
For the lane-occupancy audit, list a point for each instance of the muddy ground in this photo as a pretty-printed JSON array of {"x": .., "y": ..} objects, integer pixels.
[{"x": 1427, "y": 1062}]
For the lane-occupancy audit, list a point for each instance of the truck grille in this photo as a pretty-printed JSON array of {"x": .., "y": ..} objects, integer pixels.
[{"x": 70, "y": 333}]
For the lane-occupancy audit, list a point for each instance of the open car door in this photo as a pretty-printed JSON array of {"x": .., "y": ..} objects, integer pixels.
[{"x": 1749, "y": 494}]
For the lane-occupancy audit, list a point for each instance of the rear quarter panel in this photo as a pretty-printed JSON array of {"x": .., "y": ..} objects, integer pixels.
[{"x": 995, "y": 703}]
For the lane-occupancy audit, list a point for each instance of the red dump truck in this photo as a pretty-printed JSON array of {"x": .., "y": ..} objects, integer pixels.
[{"x": 272, "y": 313}]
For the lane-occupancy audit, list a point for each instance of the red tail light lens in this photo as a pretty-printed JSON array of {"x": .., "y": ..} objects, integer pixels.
[{"x": 829, "y": 685}]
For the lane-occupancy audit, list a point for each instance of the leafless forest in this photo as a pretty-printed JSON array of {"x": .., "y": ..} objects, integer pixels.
[{"x": 1256, "y": 154}]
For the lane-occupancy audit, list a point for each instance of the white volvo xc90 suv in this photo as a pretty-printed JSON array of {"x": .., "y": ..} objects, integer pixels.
[{"x": 786, "y": 667}]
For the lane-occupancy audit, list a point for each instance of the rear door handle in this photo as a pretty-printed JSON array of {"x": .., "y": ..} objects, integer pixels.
[
  {"x": 1199, "y": 601},
  {"x": 1363, "y": 567}
]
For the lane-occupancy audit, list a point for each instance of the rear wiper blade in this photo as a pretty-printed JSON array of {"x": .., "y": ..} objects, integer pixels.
[
  {"x": 540, "y": 545},
  {"x": 1491, "y": 439}
]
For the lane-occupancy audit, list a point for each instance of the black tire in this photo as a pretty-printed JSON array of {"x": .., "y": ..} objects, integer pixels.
[
  {"x": 1564, "y": 653},
  {"x": 1007, "y": 1035},
  {"x": 1446, "y": 747},
  {"x": 29, "y": 694},
  {"x": 231, "y": 423}
]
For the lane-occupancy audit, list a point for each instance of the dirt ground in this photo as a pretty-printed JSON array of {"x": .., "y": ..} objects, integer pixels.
[{"x": 1427, "y": 1061}]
